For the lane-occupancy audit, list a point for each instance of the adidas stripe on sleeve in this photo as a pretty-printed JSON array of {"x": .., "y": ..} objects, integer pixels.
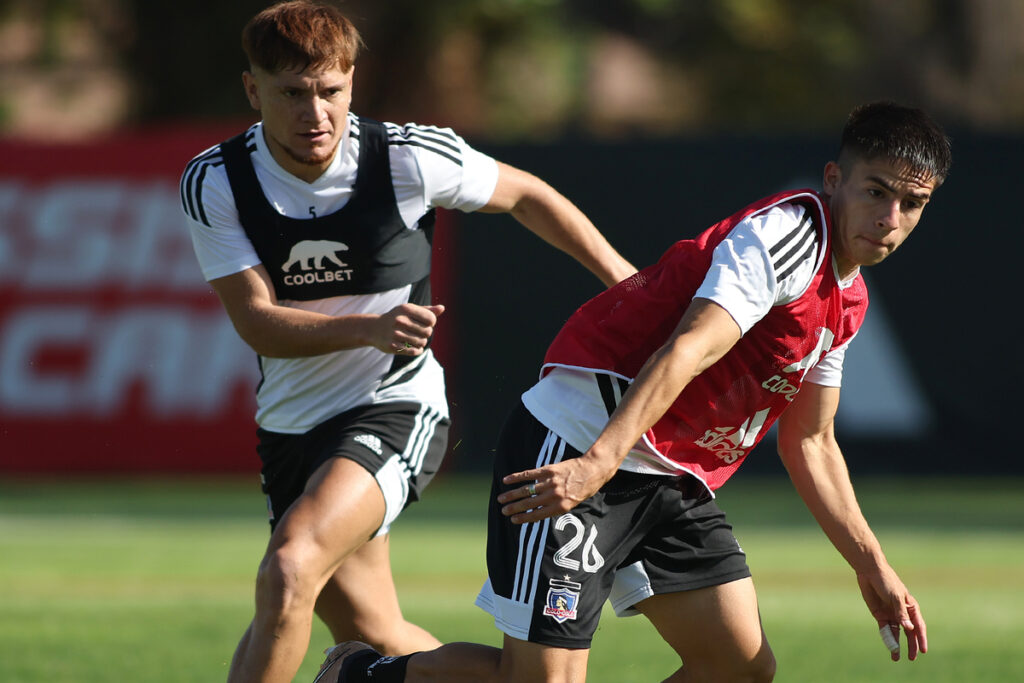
[
  {"x": 795, "y": 248},
  {"x": 192, "y": 183},
  {"x": 220, "y": 244},
  {"x": 439, "y": 169},
  {"x": 440, "y": 141},
  {"x": 768, "y": 259}
]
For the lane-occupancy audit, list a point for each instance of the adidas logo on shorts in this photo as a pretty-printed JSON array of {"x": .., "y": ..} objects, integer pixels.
[{"x": 372, "y": 442}]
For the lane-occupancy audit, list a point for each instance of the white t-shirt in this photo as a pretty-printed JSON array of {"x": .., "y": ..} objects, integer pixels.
[
  {"x": 746, "y": 279},
  {"x": 430, "y": 167}
]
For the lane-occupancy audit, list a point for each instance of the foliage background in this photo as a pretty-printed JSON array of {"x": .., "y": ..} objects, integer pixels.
[{"x": 531, "y": 69}]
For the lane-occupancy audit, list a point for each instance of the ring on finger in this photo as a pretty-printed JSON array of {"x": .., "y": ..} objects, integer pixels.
[
  {"x": 407, "y": 346},
  {"x": 531, "y": 488}
]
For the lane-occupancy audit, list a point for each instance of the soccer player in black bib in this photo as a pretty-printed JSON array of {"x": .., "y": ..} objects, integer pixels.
[{"x": 314, "y": 228}]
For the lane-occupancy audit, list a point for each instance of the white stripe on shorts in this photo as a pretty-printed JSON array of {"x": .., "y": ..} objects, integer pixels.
[
  {"x": 394, "y": 476},
  {"x": 533, "y": 536},
  {"x": 419, "y": 440},
  {"x": 393, "y": 479}
]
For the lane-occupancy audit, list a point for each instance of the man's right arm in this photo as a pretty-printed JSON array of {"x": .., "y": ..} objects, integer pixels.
[
  {"x": 277, "y": 331},
  {"x": 705, "y": 333},
  {"x": 552, "y": 217}
]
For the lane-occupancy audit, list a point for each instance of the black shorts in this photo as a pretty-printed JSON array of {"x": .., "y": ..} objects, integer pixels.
[
  {"x": 400, "y": 443},
  {"x": 640, "y": 535}
]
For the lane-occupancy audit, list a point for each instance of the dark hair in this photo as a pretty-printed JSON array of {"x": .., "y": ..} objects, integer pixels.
[
  {"x": 898, "y": 133},
  {"x": 298, "y": 34}
]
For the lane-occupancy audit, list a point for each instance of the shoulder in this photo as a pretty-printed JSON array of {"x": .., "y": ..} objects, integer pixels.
[
  {"x": 782, "y": 225},
  {"x": 432, "y": 142},
  {"x": 204, "y": 177},
  {"x": 432, "y": 166},
  {"x": 213, "y": 157},
  {"x": 794, "y": 235}
]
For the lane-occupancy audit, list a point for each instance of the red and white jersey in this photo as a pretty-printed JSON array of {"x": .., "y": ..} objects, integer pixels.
[{"x": 770, "y": 267}]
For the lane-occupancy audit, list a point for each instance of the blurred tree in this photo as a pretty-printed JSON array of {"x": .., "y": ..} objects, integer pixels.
[
  {"x": 186, "y": 57},
  {"x": 513, "y": 69},
  {"x": 786, "y": 64},
  {"x": 61, "y": 73}
]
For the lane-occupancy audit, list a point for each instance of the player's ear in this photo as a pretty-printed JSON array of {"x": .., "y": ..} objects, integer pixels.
[
  {"x": 832, "y": 177},
  {"x": 251, "y": 91}
]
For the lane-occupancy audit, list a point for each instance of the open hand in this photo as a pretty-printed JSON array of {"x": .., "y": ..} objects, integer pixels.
[
  {"x": 551, "y": 490},
  {"x": 894, "y": 608}
]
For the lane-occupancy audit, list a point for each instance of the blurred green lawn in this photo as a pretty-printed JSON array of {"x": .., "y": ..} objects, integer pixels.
[{"x": 151, "y": 580}]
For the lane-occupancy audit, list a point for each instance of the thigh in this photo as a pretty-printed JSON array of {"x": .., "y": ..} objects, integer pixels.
[
  {"x": 400, "y": 444},
  {"x": 691, "y": 546},
  {"x": 715, "y": 630},
  {"x": 339, "y": 511}
]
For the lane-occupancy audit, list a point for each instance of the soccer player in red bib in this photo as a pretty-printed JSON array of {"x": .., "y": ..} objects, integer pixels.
[{"x": 654, "y": 393}]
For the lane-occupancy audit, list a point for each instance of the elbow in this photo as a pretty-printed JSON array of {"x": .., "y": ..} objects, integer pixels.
[
  {"x": 690, "y": 358},
  {"x": 261, "y": 329},
  {"x": 257, "y": 341},
  {"x": 792, "y": 445},
  {"x": 785, "y": 450},
  {"x": 526, "y": 209},
  {"x": 261, "y": 348}
]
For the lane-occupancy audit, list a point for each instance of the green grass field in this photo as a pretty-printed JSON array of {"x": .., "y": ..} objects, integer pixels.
[{"x": 152, "y": 580}]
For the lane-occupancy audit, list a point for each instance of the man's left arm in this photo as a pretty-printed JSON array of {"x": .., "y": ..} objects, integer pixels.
[
  {"x": 556, "y": 220},
  {"x": 809, "y": 450}
]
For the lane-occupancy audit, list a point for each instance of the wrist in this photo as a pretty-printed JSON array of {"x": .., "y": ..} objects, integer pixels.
[
  {"x": 869, "y": 563},
  {"x": 603, "y": 459},
  {"x": 358, "y": 329}
]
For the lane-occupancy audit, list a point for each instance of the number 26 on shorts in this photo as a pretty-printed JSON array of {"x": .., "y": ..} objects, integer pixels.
[{"x": 592, "y": 560}]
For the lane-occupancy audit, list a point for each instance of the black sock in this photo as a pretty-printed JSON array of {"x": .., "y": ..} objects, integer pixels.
[
  {"x": 371, "y": 667},
  {"x": 354, "y": 668},
  {"x": 388, "y": 670}
]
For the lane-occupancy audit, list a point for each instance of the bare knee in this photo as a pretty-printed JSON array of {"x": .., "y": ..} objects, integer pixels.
[
  {"x": 769, "y": 672},
  {"x": 283, "y": 586},
  {"x": 759, "y": 669},
  {"x": 762, "y": 668}
]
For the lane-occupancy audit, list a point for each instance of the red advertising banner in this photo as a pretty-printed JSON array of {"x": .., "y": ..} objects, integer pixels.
[{"x": 115, "y": 355}]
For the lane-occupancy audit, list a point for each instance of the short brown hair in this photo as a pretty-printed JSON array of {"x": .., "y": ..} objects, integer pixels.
[
  {"x": 901, "y": 134},
  {"x": 298, "y": 34}
]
